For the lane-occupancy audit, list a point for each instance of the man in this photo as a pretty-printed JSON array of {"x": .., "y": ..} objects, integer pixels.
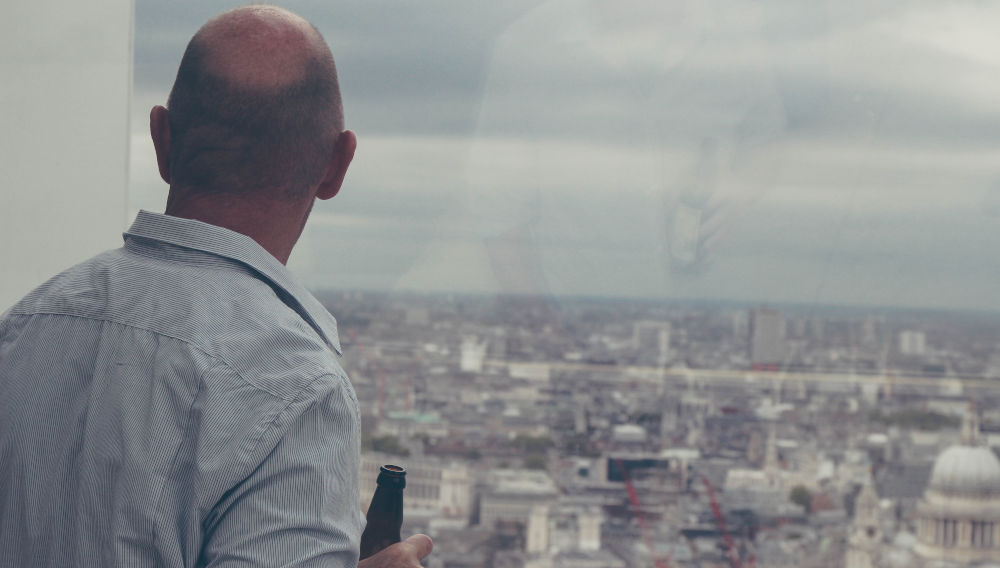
[{"x": 177, "y": 401}]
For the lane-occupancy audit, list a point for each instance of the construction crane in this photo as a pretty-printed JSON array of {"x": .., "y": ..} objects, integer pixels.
[
  {"x": 633, "y": 498},
  {"x": 720, "y": 520},
  {"x": 727, "y": 539}
]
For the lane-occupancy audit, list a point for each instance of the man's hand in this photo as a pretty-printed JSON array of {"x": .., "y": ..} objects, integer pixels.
[{"x": 406, "y": 554}]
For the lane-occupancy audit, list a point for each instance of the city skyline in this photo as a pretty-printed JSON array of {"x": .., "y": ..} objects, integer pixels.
[{"x": 540, "y": 438}]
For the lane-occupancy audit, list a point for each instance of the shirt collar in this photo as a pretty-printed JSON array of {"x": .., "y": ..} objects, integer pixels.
[{"x": 197, "y": 235}]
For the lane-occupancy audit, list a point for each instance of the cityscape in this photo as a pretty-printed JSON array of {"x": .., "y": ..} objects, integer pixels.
[
  {"x": 551, "y": 432},
  {"x": 838, "y": 159}
]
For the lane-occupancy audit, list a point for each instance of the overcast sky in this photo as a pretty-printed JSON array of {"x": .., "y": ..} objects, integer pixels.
[{"x": 857, "y": 161}]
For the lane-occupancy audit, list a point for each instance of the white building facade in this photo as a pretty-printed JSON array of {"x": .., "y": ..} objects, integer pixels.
[{"x": 958, "y": 519}]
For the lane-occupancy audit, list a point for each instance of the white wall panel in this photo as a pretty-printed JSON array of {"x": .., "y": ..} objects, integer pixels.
[{"x": 65, "y": 83}]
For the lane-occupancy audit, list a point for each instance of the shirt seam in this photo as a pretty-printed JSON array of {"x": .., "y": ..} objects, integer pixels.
[
  {"x": 289, "y": 402},
  {"x": 162, "y": 228},
  {"x": 180, "y": 445},
  {"x": 217, "y": 358},
  {"x": 245, "y": 267},
  {"x": 272, "y": 425},
  {"x": 223, "y": 259},
  {"x": 254, "y": 446},
  {"x": 189, "y": 263}
]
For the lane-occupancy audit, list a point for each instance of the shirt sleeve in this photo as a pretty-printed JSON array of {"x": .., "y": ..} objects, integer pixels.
[{"x": 300, "y": 506}]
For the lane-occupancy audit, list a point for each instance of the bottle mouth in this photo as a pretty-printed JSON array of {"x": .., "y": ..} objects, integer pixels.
[{"x": 391, "y": 476}]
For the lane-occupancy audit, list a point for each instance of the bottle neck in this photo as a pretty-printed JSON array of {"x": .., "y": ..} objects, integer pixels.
[{"x": 391, "y": 479}]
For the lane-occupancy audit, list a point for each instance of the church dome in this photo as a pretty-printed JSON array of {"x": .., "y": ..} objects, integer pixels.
[
  {"x": 966, "y": 471},
  {"x": 958, "y": 518}
]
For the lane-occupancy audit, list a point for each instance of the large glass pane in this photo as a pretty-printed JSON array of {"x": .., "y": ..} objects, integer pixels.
[{"x": 663, "y": 283}]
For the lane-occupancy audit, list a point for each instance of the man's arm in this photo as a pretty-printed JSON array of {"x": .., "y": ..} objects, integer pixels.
[{"x": 300, "y": 506}]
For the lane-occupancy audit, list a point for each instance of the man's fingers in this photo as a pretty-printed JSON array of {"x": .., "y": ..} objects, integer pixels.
[{"x": 420, "y": 544}]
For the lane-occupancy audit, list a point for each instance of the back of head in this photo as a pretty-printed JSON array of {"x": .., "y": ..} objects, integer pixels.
[{"x": 255, "y": 109}]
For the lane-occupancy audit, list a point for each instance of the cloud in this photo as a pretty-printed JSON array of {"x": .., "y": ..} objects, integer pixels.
[
  {"x": 409, "y": 67},
  {"x": 879, "y": 121}
]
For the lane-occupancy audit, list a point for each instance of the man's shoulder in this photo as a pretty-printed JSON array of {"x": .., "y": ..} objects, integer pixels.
[
  {"x": 219, "y": 307},
  {"x": 163, "y": 296},
  {"x": 73, "y": 286},
  {"x": 274, "y": 348},
  {"x": 233, "y": 314}
]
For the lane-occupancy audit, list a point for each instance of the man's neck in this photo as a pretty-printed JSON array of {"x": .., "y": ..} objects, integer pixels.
[{"x": 275, "y": 225}]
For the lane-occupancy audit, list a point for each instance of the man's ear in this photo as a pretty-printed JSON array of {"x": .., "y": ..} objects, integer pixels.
[
  {"x": 343, "y": 153},
  {"x": 159, "y": 129}
]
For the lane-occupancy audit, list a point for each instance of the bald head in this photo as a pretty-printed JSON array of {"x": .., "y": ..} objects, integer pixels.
[
  {"x": 255, "y": 107},
  {"x": 261, "y": 47}
]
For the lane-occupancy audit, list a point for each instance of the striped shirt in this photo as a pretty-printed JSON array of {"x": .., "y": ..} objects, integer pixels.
[{"x": 176, "y": 402}]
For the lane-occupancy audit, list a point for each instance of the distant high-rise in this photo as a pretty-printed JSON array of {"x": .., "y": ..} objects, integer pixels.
[
  {"x": 869, "y": 331},
  {"x": 912, "y": 342},
  {"x": 473, "y": 355},
  {"x": 418, "y": 315},
  {"x": 816, "y": 329},
  {"x": 740, "y": 323},
  {"x": 767, "y": 337},
  {"x": 652, "y": 340}
]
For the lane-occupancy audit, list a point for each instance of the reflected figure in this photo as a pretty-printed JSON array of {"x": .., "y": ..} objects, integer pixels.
[
  {"x": 618, "y": 144},
  {"x": 689, "y": 212}
]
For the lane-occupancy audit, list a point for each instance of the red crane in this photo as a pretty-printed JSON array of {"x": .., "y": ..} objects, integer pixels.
[
  {"x": 633, "y": 497},
  {"x": 727, "y": 539}
]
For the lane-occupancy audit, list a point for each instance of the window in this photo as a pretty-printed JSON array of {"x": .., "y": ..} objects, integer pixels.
[{"x": 731, "y": 259}]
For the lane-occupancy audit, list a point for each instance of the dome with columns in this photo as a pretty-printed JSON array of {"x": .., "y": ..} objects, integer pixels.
[{"x": 959, "y": 517}]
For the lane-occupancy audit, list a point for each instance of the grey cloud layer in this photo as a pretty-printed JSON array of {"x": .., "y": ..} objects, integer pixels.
[{"x": 886, "y": 191}]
